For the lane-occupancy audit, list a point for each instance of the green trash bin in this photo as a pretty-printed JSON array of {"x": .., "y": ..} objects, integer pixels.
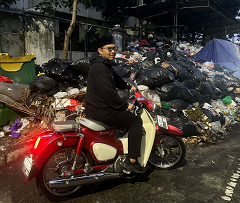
[
  {"x": 20, "y": 69},
  {"x": 8, "y": 116}
]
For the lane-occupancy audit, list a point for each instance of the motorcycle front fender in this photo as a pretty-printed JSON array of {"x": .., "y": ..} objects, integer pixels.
[
  {"x": 47, "y": 146},
  {"x": 172, "y": 130},
  {"x": 148, "y": 138}
]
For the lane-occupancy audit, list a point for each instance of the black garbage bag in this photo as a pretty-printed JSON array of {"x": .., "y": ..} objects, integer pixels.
[
  {"x": 196, "y": 96},
  {"x": 53, "y": 91},
  {"x": 212, "y": 85},
  {"x": 83, "y": 82},
  {"x": 220, "y": 82},
  {"x": 179, "y": 56},
  {"x": 205, "y": 88},
  {"x": 122, "y": 71},
  {"x": 197, "y": 74},
  {"x": 208, "y": 113},
  {"x": 178, "y": 120},
  {"x": 180, "y": 73},
  {"x": 207, "y": 98},
  {"x": 190, "y": 83},
  {"x": 188, "y": 66},
  {"x": 150, "y": 54},
  {"x": 154, "y": 76},
  {"x": 189, "y": 128},
  {"x": 222, "y": 118},
  {"x": 63, "y": 86},
  {"x": 178, "y": 104},
  {"x": 43, "y": 84},
  {"x": 193, "y": 70},
  {"x": 134, "y": 68},
  {"x": 81, "y": 65},
  {"x": 216, "y": 94},
  {"x": 213, "y": 116},
  {"x": 174, "y": 90},
  {"x": 148, "y": 62},
  {"x": 60, "y": 70},
  {"x": 166, "y": 52}
]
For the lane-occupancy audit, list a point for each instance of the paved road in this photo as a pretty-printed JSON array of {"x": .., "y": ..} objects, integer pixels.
[{"x": 207, "y": 175}]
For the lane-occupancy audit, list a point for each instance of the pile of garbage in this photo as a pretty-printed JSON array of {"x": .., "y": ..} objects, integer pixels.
[
  {"x": 200, "y": 99},
  {"x": 162, "y": 42},
  {"x": 56, "y": 94}
]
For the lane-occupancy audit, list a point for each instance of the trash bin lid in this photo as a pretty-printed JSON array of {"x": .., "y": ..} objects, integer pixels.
[{"x": 14, "y": 64}]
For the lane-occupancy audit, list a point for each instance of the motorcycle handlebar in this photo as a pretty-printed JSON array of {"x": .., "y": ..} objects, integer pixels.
[{"x": 133, "y": 100}]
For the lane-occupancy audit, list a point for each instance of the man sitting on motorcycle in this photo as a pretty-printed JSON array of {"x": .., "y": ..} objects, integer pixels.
[{"x": 105, "y": 105}]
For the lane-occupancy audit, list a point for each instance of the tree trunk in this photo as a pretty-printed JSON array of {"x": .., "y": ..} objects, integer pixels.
[{"x": 70, "y": 30}]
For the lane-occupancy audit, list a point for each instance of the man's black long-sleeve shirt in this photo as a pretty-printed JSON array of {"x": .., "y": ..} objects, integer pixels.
[{"x": 102, "y": 96}]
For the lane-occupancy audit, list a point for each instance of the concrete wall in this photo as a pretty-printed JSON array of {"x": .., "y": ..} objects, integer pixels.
[
  {"x": 11, "y": 35},
  {"x": 39, "y": 40}
]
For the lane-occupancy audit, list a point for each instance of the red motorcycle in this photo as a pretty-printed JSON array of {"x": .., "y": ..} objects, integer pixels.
[{"x": 78, "y": 154}]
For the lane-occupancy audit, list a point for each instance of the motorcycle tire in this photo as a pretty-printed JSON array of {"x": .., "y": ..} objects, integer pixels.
[
  {"x": 169, "y": 153},
  {"x": 59, "y": 162}
]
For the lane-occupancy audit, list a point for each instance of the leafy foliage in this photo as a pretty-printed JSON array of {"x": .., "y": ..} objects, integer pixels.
[
  {"x": 112, "y": 11},
  {"x": 7, "y": 3},
  {"x": 52, "y": 6}
]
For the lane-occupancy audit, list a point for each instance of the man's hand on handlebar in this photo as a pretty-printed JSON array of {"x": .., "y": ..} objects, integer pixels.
[
  {"x": 130, "y": 106},
  {"x": 133, "y": 88}
]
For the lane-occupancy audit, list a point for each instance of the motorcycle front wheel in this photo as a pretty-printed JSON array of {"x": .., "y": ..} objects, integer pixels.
[
  {"x": 169, "y": 153},
  {"x": 58, "y": 163}
]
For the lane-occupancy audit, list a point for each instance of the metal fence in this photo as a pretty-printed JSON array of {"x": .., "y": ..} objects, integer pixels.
[
  {"x": 11, "y": 34},
  {"x": 12, "y": 43}
]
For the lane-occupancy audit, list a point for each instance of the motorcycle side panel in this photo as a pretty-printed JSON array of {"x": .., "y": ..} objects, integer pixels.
[
  {"x": 148, "y": 139},
  {"x": 105, "y": 138},
  {"x": 104, "y": 152},
  {"x": 43, "y": 152}
]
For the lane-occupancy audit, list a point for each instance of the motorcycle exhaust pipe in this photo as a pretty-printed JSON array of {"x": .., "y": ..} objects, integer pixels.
[{"x": 74, "y": 181}]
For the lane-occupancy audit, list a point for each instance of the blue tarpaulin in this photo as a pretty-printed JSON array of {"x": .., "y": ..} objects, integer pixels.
[{"x": 221, "y": 52}]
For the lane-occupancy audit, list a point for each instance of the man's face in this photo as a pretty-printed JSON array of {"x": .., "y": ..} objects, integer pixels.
[{"x": 108, "y": 51}]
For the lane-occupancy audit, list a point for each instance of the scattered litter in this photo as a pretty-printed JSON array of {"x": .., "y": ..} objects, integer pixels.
[
  {"x": 2, "y": 134},
  {"x": 2, "y": 148}
]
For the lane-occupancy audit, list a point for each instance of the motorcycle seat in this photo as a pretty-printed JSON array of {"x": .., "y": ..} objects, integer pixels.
[
  {"x": 93, "y": 124},
  {"x": 69, "y": 125}
]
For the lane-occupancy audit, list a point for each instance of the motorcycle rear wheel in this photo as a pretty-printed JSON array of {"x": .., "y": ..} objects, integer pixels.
[
  {"x": 169, "y": 153},
  {"x": 58, "y": 163}
]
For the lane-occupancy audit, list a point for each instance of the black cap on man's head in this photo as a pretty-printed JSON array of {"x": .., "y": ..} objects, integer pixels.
[{"x": 104, "y": 41}]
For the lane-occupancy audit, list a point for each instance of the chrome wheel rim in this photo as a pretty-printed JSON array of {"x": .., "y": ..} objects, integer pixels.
[
  {"x": 59, "y": 163},
  {"x": 167, "y": 153}
]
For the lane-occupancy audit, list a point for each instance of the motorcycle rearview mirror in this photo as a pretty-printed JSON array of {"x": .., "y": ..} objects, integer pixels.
[{"x": 135, "y": 83}]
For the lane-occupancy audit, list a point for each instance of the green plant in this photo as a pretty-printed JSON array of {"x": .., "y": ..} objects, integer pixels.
[{"x": 3, "y": 106}]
